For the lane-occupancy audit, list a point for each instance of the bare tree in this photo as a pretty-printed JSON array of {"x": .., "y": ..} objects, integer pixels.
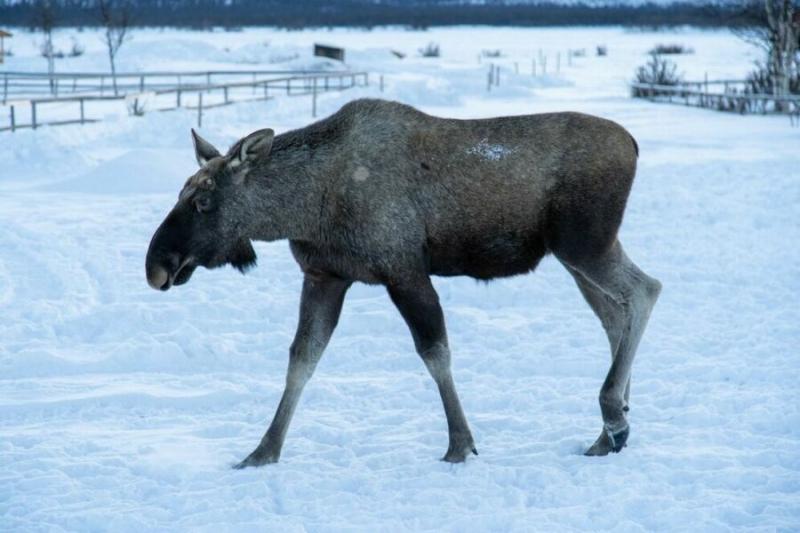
[
  {"x": 44, "y": 20},
  {"x": 115, "y": 17},
  {"x": 785, "y": 37},
  {"x": 774, "y": 25}
]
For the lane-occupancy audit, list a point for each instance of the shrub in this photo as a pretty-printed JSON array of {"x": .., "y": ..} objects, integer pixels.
[
  {"x": 673, "y": 49},
  {"x": 762, "y": 81},
  {"x": 492, "y": 53},
  {"x": 657, "y": 71},
  {"x": 45, "y": 53},
  {"x": 77, "y": 49},
  {"x": 602, "y": 50},
  {"x": 137, "y": 105},
  {"x": 431, "y": 50}
]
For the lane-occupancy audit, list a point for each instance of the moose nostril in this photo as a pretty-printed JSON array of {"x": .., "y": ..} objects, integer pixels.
[
  {"x": 158, "y": 278},
  {"x": 174, "y": 261}
]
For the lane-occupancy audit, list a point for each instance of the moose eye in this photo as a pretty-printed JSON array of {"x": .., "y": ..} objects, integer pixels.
[{"x": 202, "y": 204}]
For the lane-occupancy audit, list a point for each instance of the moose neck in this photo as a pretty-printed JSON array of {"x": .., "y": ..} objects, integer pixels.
[{"x": 285, "y": 197}]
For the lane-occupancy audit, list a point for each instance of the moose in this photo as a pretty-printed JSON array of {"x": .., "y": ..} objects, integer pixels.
[{"x": 382, "y": 193}]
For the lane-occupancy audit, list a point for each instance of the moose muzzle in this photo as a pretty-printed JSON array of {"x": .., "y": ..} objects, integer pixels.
[{"x": 157, "y": 277}]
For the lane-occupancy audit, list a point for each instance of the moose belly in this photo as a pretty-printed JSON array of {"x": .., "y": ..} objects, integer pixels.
[{"x": 493, "y": 256}]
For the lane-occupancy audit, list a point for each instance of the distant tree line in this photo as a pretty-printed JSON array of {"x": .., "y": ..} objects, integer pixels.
[{"x": 368, "y": 13}]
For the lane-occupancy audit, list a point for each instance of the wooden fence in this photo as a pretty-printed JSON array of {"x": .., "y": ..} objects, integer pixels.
[
  {"x": 732, "y": 97},
  {"x": 195, "y": 97},
  {"x": 15, "y": 85}
]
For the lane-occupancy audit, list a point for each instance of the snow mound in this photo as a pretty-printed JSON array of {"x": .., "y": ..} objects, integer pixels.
[
  {"x": 35, "y": 156},
  {"x": 417, "y": 88},
  {"x": 134, "y": 172},
  {"x": 142, "y": 54}
]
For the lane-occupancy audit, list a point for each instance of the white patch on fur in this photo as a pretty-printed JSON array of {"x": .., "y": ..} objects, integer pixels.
[
  {"x": 490, "y": 152},
  {"x": 361, "y": 174}
]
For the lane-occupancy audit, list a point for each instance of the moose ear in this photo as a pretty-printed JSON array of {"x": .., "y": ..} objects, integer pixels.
[
  {"x": 203, "y": 150},
  {"x": 255, "y": 145}
]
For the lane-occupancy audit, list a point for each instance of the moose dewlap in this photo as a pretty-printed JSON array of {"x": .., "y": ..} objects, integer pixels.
[{"x": 382, "y": 193}]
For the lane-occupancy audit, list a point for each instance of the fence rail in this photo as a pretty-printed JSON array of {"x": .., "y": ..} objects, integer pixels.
[
  {"x": 15, "y": 85},
  {"x": 733, "y": 97},
  {"x": 199, "y": 97}
]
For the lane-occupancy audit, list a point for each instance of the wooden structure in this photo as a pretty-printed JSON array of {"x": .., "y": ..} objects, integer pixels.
[
  {"x": 24, "y": 85},
  {"x": 3, "y": 35},
  {"x": 51, "y": 111},
  {"x": 722, "y": 95},
  {"x": 332, "y": 52}
]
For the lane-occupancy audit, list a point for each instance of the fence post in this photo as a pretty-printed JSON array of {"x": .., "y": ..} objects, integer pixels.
[
  {"x": 489, "y": 81},
  {"x": 558, "y": 62},
  {"x": 225, "y": 92},
  {"x": 178, "y": 97},
  {"x": 33, "y": 114},
  {"x": 381, "y": 82},
  {"x": 200, "y": 109},
  {"x": 5, "y": 87},
  {"x": 141, "y": 84},
  {"x": 497, "y": 75},
  {"x": 533, "y": 67},
  {"x": 314, "y": 97},
  {"x": 82, "y": 115},
  {"x": 13, "y": 121}
]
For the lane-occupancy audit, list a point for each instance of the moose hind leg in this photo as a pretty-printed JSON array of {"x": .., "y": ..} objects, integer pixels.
[
  {"x": 419, "y": 305},
  {"x": 630, "y": 297},
  {"x": 606, "y": 310}
]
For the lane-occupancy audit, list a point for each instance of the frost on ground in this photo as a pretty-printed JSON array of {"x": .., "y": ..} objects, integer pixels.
[{"x": 122, "y": 408}]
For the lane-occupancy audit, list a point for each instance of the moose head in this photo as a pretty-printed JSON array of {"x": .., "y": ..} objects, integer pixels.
[{"x": 208, "y": 225}]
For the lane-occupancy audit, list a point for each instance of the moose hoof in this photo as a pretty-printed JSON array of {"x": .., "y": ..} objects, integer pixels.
[
  {"x": 459, "y": 453},
  {"x": 257, "y": 458},
  {"x": 609, "y": 441}
]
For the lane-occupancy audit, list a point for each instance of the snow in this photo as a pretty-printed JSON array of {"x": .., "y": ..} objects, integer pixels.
[
  {"x": 490, "y": 152},
  {"x": 122, "y": 408}
]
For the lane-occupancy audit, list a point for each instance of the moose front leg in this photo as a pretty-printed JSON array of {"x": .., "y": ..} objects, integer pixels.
[
  {"x": 419, "y": 304},
  {"x": 320, "y": 306}
]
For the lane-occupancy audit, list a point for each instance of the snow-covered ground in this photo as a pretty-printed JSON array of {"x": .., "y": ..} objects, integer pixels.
[{"x": 122, "y": 409}]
